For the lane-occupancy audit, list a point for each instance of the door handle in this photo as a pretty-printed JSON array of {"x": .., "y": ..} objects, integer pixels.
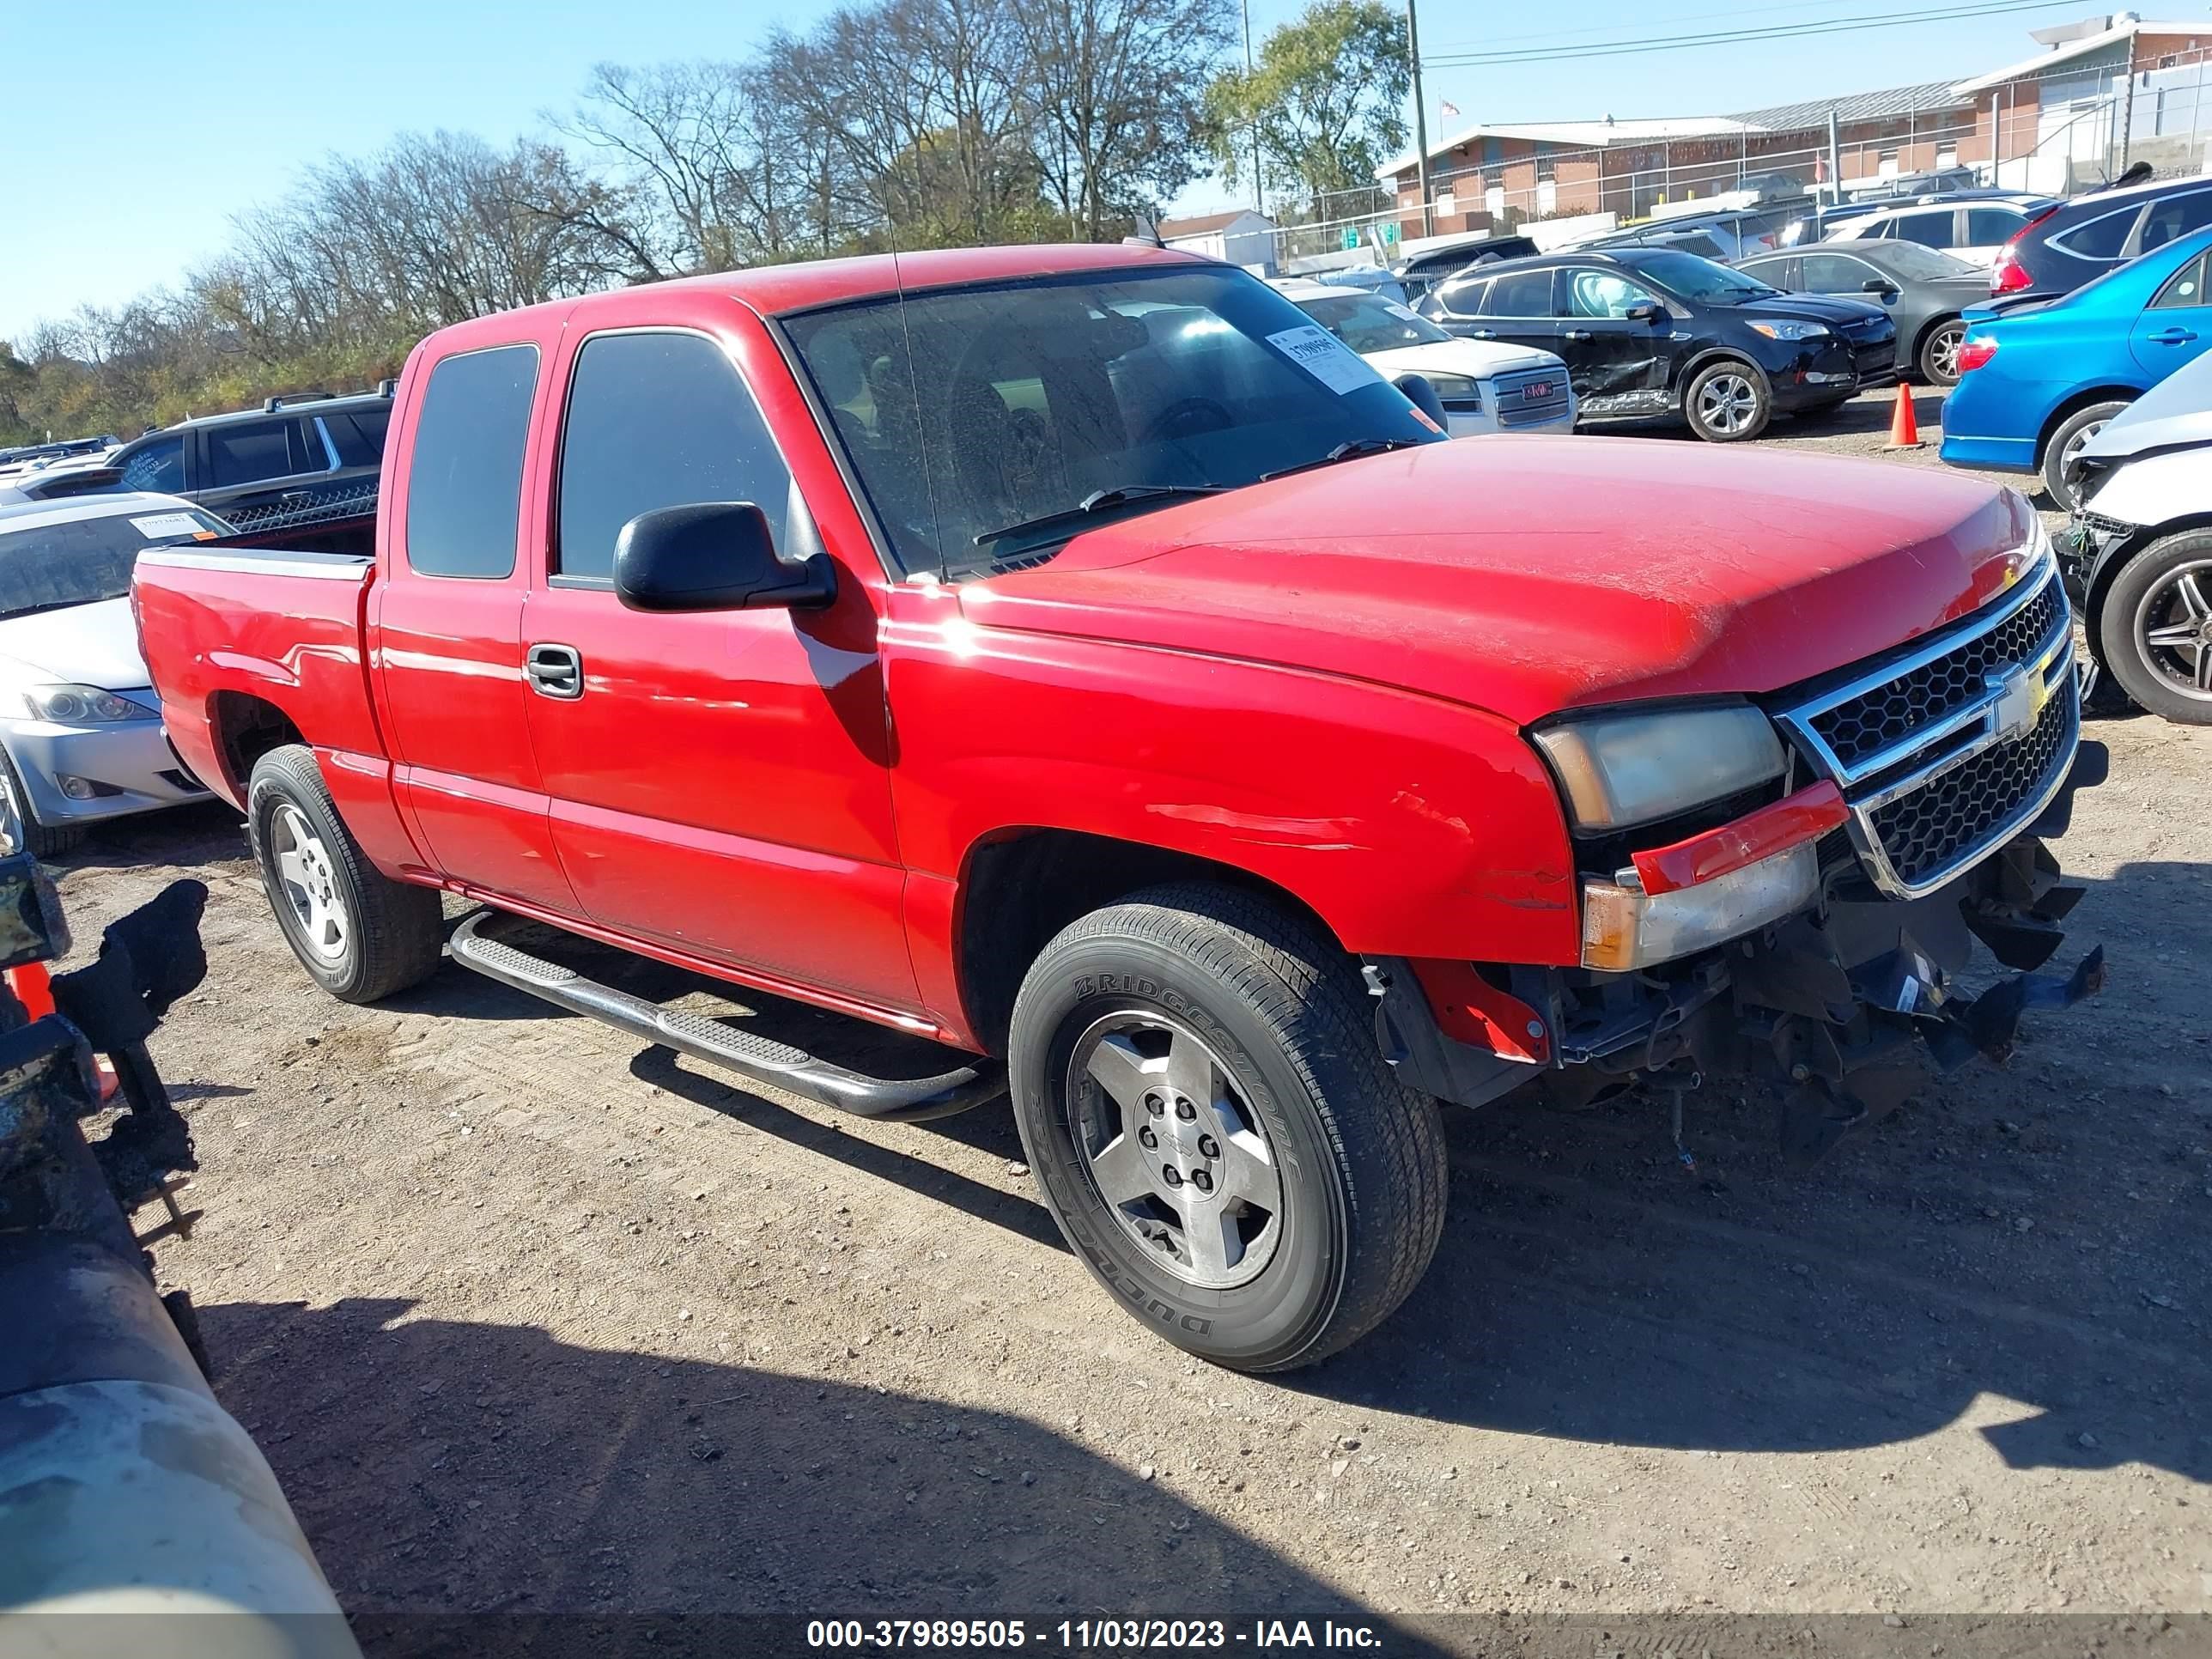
[
  {"x": 1482, "y": 334},
  {"x": 2173, "y": 337},
  {"x": 554, "y": 670},
  {"x": 295, "y": 498},
  {"x": 1578, "y": 334}
]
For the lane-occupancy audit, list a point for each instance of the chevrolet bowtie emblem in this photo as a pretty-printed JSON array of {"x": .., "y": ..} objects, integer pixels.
[{"x": 2021, "y": 696}]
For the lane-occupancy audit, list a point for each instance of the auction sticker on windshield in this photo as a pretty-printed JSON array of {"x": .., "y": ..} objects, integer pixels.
[
  {"x": 154, "y": 526},
  {"x": 1325, "y": 357}
]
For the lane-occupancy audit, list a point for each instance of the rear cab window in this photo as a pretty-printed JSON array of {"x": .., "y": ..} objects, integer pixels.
[{"x": 465, "y": 475}]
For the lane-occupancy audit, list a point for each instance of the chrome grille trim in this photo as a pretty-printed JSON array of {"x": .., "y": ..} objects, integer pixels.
[{"x": 1927, "y": 753}]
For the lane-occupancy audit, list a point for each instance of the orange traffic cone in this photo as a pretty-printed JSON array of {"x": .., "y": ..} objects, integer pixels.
[
  {"x": 29, "y": 982},
  {"x": 1904, "y": 425}
]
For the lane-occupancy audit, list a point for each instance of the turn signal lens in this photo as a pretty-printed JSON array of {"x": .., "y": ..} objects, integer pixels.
[{"x": 1624, "y": 928}]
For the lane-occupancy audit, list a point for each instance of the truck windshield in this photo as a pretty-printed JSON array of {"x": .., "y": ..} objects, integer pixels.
[
  {"x": 966, "y": 410},
  {"x": 55, "y": 557}
]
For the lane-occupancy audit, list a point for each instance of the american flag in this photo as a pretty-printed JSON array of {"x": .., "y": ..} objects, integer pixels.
[{"x": 1449, "y": 107}]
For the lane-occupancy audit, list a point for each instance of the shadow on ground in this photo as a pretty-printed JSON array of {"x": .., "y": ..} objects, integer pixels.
[{"x": 691, "y": 1486}]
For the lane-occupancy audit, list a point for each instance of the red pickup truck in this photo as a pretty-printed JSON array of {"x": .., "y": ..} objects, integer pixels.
[{"x": 1075, "y": 656}]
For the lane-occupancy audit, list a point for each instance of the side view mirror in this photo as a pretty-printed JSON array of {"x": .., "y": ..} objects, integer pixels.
[
  {"x": 714, "y": 555},
  {"x": 1877, "y": 285},
  {"x": 1423, "y": 396},
  {"x": 1645, "y": 311}
]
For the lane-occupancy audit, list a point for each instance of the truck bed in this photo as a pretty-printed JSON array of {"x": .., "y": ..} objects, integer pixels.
[{"x": 280, "y": 625}]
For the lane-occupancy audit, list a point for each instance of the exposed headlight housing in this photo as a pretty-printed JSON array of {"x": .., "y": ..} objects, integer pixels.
[
  {"x": 1620, "y": 771},
  {"x": 1791, "y": 331},
  {"x": 84, "y": 705}
]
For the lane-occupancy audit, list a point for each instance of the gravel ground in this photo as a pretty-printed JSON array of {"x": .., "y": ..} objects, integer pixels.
[{"x": 530, "y": 1321}]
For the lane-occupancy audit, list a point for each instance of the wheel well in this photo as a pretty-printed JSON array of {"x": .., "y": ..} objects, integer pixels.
[
  {"x": 247, "y": 727},
  {"x": 1023, "y": 888},
  {"x": 2074, "y": 406}
]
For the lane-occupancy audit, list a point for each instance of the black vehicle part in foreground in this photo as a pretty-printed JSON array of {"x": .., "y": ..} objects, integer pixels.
[{"x": 123, "y": 1483}]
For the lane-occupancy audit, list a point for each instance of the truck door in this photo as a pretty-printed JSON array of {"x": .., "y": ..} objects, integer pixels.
[
  {"x": 719, "y": 779},
  {"x": 447, "y": 617}
]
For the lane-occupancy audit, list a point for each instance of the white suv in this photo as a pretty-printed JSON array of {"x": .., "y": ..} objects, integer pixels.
[{"x": 1484, "y": 387}]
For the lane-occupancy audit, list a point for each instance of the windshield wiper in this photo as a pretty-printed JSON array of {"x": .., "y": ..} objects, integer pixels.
[
  {"x": 1097, "y": 501},
  {"x": 1351, "y": 450}
]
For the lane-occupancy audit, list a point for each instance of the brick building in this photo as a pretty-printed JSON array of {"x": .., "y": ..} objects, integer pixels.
[{"x": 2101, "y": 92}]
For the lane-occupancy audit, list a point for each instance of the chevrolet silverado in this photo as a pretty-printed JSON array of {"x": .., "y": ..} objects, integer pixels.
[{"x": 1076, "y": 657}]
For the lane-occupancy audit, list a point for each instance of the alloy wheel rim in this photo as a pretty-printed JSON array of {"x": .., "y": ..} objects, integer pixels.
[
  {"x": 1945, "y": 352},
  {"x": 1171, "y": 1147},
  {"x": 1727, "y": 402},
  {"x": 308, "y": 878},
  {"x": 2174, "y": 630}
]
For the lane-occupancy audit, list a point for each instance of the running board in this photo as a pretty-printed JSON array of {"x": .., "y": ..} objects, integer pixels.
[{"x": 755, "y": 1059}]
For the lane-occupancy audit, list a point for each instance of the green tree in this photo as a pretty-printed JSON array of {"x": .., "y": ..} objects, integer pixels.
[{"x": 1326, "y": 100}]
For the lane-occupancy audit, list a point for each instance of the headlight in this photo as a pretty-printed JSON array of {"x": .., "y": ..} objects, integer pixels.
[
  {"x": 84, "y": 705},
  {"x": 1620, "y": 771},
  {"x": 1456, "y": 388},
  {"x": 1791, "y": 331}
]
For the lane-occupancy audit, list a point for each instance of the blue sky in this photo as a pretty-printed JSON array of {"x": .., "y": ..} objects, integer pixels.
[{"x": 129, "y": 142}]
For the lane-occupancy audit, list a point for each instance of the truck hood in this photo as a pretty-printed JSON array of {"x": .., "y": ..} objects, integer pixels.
[
  {"x": 1526, "y": 576},
  {"x": 94, "y": 644}
]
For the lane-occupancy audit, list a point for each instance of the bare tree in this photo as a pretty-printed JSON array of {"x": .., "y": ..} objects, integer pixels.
[{"x": 1119, "y": 88}]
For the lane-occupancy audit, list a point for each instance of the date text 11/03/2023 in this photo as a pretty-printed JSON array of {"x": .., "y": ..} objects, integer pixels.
[{"x": 1092, "y": 1635}]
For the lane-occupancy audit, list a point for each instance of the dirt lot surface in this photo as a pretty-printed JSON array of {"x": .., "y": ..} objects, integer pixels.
[{"x": 529, "y": 1320}]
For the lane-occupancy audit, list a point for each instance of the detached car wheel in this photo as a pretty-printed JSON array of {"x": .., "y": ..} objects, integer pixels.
[
  {"x": 2062, "y": 455},
  {"x": 1939, "y": 352},
  {"x": 360, "y": 934},
  {"x": 1728, "y": 401},
  {"x": 1199, "y": 1088},
  {"x": 2155, "y": 634}
]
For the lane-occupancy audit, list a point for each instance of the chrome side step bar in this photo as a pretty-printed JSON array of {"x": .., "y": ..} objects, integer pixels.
[{"x": 754, "y": 1058}]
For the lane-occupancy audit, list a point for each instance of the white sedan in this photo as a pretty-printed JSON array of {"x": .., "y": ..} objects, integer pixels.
[
  {"x": 1484, "y": 387},
  {"x": 80, "y": 732}
]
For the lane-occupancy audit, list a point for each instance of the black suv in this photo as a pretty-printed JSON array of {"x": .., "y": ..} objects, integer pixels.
[
  {"x": 2078, "y": 241},
  {"x": 1654, "y": 330},
  {"x": 306, "y": 462}
]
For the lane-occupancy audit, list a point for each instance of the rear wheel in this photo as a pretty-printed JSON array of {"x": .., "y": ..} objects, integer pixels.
[
  {"x": 2154, "y": 633},
  {"x": 1939, "y": 352},
  {"x": 1728, "y": 401},
  {"x": 39, "y": 841},
  {"x": 1201, "y": 1095},
  {"x": 360, "y": 934},
  {"x": 2062, "y": 456}
]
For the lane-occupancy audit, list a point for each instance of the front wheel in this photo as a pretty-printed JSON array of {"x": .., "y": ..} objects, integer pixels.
[
  {"x": 2062, "y": 456},
  {"x": 1201, "y": 1092},
  {"x": 39, "y": 841},
  {"x": 360, "y": 934},
  {"x": 2154, "y": 633},
  {"x": 1728, "y": 401}
]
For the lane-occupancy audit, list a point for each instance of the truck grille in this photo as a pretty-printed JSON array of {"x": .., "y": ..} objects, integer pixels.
[
  {"x": 1947, "y": 753},
  {"x": 1516, "y": 406}
]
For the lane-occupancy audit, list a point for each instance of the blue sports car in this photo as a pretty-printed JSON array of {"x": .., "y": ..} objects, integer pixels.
[{"x": 2035, "y": 385}]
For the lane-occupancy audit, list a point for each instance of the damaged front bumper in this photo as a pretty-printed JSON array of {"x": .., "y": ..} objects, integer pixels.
[{"x": 1839, "y": 1002}]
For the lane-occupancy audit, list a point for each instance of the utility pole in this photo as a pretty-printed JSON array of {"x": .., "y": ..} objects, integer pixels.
[
  {"x": 1259, "y": 189},
  {"x": 1420, "y": 122}
]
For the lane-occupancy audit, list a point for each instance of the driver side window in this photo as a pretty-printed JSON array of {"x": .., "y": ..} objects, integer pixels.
[{"x": 1606, "y": 293}]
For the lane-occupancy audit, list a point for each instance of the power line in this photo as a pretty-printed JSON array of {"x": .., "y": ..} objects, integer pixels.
[
  {"x": 1737, "y": 37},
  {"x": 1600, "y": 28}
]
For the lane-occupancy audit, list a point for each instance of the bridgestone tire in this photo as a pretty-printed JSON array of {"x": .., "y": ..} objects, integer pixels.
[
  {"x": 394, "y": 931},
  {"x": 1359, "y": 1157}
]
